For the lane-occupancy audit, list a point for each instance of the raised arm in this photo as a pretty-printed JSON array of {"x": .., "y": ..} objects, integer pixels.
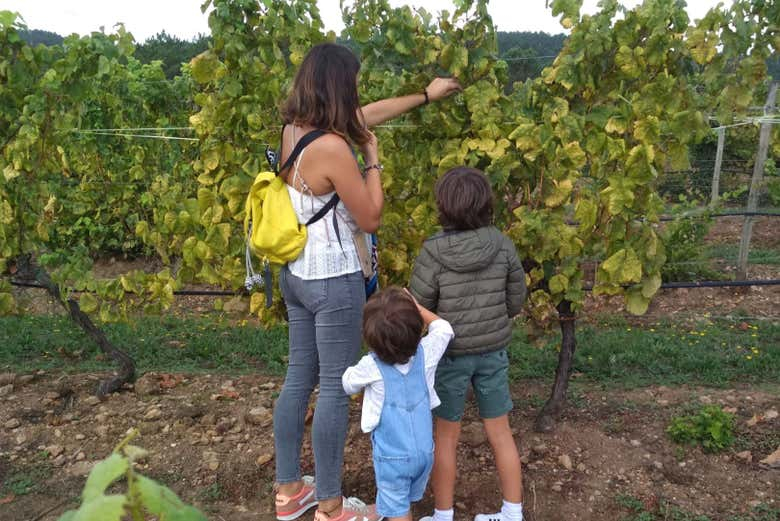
[
  {"x": 363, "y": 198},
  {"x": 380, "y": 111},
  {"x": 427, "y": 315}
]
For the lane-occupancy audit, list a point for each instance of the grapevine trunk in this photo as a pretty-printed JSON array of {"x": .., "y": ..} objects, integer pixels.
[
  {"x": 126, "y": 372},
  {"x": 545, "y": 421}
]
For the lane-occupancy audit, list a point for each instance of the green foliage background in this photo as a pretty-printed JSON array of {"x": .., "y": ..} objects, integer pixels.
[{"x": 588, "y": 141}]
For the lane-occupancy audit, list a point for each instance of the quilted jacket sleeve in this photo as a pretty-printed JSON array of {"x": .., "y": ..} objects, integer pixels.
[
  {"x": 425, "y": 284},
  {"x": 515, "y": 283}
]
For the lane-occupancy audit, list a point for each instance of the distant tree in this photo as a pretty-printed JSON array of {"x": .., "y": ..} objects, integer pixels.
[
  {"x": 527, "y": 53},
  {"x": 543, "y": 44},
  {"x": 524, "y": 64},
  {"x": 171, "y": 50},
  {"x": 37, "y": 36}
]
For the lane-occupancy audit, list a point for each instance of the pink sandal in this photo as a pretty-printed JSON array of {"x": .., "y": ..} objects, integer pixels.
[{"x": 293, "y": 507}]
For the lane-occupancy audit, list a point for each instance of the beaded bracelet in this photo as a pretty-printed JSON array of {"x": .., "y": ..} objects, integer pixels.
[
  {"x": 378, "y": 166},
  {"x": 425, "y": 93}
]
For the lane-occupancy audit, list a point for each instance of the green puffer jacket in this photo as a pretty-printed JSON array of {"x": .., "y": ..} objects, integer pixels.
[{"x": 474, "y": 280}]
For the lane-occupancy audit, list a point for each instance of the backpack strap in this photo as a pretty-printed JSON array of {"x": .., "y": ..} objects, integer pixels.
[
  {"x": 302, "y": 143},
  {"x": 330, "y": 205},
  {"x": 333, "y": 201},
  {"x": 272, "y": 156}
]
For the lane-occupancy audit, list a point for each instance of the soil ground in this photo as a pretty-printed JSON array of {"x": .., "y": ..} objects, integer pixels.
[{"x": 205, "y": 446}]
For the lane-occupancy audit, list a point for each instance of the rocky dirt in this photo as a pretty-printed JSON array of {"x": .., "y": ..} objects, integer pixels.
[{"x": 210, "y": 439}]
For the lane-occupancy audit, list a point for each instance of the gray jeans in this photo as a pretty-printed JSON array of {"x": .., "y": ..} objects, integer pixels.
[{"x": 325, "y": 337}]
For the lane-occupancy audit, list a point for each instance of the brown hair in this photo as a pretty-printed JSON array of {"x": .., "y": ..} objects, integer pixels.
[
  {"x": 464, "y": 199},
  {"x": 392, "y": 325},
  {"x": 324, "y": 94}
]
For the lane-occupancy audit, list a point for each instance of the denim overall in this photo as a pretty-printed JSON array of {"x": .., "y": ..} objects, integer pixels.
[{"x": 403, "y": 440}]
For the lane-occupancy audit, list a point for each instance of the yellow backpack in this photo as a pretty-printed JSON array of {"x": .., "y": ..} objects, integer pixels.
[{"x": 271, "y": 225}]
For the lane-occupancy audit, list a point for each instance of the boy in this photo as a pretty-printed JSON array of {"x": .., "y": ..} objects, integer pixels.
[
  {"x": 471, "y": 276},
  {"x": 398, "y": 378}
]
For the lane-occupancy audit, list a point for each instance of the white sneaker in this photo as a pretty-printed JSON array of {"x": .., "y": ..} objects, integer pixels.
[
  {"x": 426, "y": 518},
  {"x": 353, "y": 509},
  {"x": 489, "y": 517}
]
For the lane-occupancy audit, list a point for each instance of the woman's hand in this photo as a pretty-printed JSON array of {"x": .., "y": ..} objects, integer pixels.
[
  {"x": 442, "y": 87},
  {"x": 370, "y": 150}
]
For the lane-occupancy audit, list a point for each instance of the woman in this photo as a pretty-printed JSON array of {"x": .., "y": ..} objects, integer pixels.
[{"x": 324, "y": 287}]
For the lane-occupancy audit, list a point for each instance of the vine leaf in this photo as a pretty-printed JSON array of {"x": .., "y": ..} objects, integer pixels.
[
  {"x": 104, "y": 508},
  {"x": 102, "y": 475}
]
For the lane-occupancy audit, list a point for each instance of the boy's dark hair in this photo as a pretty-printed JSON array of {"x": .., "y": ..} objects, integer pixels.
[
  {"x": 392, "y": 325},
  {"x": 464, "y": 199}
]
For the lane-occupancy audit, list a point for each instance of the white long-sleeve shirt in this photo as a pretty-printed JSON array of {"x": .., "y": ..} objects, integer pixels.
[{"x": 366, "y": 374}]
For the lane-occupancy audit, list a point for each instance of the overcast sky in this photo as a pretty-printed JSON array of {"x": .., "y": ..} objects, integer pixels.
[{"x": 183, "y": 18}]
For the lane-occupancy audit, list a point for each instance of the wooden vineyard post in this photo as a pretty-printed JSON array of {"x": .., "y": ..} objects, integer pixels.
[
  {"x": 716, "y": 174},
  {"x": 755, "y": 186}
]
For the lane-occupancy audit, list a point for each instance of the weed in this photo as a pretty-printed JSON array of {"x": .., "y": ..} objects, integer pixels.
[
  {"x": 26, "y": 481},
  {"x": 684, "y": 242},
  {"x": 614, "y": 425},
  {"x": 666, "y": 511},
  {"x": 730, "y": 252},
  {"x": 711, "y": 427},
  {"x": 212, "y": 493},
  {"x": 679, "y": 453},
  {"x": 762, "y": 512}
]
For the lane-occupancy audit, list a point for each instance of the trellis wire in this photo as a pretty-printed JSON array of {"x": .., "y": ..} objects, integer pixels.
[
  {"x": 665, "y": 285},
  {"x": 146, "y": 136},
  {"x": 126, "y": 129}
]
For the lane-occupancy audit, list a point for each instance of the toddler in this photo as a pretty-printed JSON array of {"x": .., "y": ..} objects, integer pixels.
[{"x": 398, "y": 378}]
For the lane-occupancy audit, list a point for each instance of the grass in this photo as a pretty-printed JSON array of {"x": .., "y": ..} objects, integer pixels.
[
  {"x": 612, "y": 353},
  {"x": 155, "y": 343},
  {"x": 25, "y": 481},
  {"x": 211, "y": 493},
  {"x": 665, "y": 511},
  {"x": 712, "y": 353},
  {"x": 730, "y": 252}
]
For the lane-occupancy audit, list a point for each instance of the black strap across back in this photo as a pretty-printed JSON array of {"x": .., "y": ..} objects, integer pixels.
[{"x": 334, "y": 200}]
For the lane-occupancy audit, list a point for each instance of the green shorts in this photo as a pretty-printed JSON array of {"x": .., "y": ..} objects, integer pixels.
[{"x": 487, "y": 373}]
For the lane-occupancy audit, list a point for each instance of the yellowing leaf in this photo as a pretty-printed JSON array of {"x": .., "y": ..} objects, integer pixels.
[
  {"x": 636, "y": 303},
  {"x": 651, "y": 285},
  {"x": 206, "y": 67},
  {"x": 88, "y": 303},
  {"x": 586, "y": 213},
  {"x": 558, "y": 192},
  {"x": 10, "y": 173},
  {"x": 559, "y": 283},
  {"x": 615, "y": 125},
  {"x": 574, "y": 154},
  {"x": 256, "y": 302},
  {"x": 623, "y": 267},
  {"x": 647, "y": 130}
]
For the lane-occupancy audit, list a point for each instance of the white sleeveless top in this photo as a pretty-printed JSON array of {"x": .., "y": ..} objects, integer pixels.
[{"x": 322, "y": 257}]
